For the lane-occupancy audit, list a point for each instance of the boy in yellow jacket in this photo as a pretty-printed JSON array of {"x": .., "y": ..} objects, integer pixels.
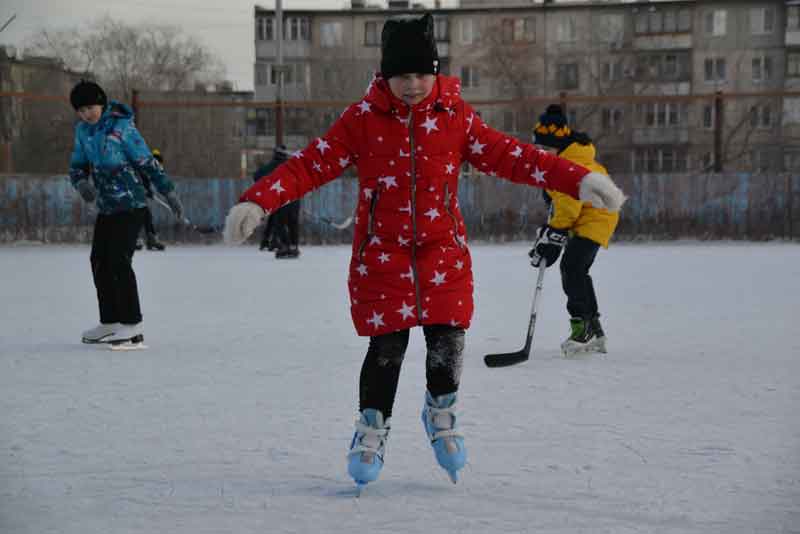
[{"x": 577, "y": 227}]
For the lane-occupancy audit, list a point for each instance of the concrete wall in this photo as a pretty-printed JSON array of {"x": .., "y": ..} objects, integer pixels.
[{"x": 735, "y": 206}]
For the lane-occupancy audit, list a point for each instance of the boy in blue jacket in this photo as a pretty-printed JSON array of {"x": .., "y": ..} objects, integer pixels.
[{"x": 107, "y": 160}]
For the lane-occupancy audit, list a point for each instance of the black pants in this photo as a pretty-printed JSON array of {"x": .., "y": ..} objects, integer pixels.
[
  {"x": 113, "y": 245},
  {"x": 380, "y": 371},
  {"x": 578, "y": 257},
  {"x": 149, "y": 229},
  {"x": 287, "y": 224}
]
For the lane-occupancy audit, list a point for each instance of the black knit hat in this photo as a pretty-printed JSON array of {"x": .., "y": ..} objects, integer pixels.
[
  {"x": 87, "y": 94},
  {"x": 552, "y": 129},
  {"x": 408, "y": 46}
]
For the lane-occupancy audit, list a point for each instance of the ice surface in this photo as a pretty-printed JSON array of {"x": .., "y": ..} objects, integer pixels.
[{"x": 238, "y": 417}]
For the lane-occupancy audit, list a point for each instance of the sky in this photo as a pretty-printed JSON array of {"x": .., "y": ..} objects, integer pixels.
[{"x": 227, "y": 31}]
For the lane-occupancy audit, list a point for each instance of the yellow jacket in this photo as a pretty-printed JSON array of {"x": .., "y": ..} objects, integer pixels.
[{"x": 578, "y": 217}]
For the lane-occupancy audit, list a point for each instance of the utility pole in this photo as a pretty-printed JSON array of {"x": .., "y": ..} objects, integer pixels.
[
  {"x": 279, "y": 71},
  {"x": 9, "y": 21}
]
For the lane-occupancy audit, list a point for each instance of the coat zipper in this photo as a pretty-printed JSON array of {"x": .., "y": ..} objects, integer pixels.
[
  {"x": 413, "y": 156},
  {"x": 450, "y": 213},
  {"x": 370, "y": 222}
]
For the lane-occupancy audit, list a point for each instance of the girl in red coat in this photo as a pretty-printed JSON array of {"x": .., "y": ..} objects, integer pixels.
[{"x": 410, "y": 263}]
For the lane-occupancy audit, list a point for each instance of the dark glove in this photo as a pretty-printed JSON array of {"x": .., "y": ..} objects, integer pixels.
[
  {"x": 86, "y": 190},
  {"x": 547, "y": 246},
  {"x": 175, "y": 205}
]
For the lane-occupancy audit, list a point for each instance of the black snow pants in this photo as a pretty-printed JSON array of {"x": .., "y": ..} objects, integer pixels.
[
  {"x": 380, "y": 371},
  {"x": 113, "y": 245},
  {"x": 578, "y": 258}
]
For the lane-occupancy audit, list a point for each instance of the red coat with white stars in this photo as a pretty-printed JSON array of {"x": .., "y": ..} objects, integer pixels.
[{"x": 410, "y": 264}]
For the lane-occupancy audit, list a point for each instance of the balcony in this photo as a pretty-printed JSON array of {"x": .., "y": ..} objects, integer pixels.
[{"x": 654, "y": 136}]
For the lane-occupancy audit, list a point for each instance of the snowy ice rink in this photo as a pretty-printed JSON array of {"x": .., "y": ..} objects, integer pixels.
[{"x": 238, "y": 417}]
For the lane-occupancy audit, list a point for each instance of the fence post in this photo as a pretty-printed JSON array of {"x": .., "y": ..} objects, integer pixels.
[{"x": 719, "y": 111}]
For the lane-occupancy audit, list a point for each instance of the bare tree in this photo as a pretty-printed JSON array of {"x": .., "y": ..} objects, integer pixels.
[{"x": 124, "y": 56}]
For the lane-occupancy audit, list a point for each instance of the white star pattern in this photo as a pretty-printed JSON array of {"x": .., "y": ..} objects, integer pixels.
[
  {"x": 380, "y": 139},
  {"x": 459, "y": 265},
  {"x": 517, "y": 152},
  {"x": 430, "y": 124},
  {"x": 364, "y": 106},
  {"x": 297, "y": 154},
  {"x": 317, "y": 167},
  {"x": 406, "y": 209},
  {"x": 404, "y": 154},
  {"x": 424, "y": 314},
  {"x": 403, "y": 242},
  {"x": 409, "y": 274},
  {"x": 407, "y": 311},
  {"x": 432, "y": 213},
  {"x": 362, "y": 269},
  {"x": 438, "y": 278},
  {"x": 388, "y": 181},
  {"x": 375, "y": 240},
  {"x": 322, "y": 146},
  {"x": 376, "y": 320},
  {"x": 384, "y": 257},
  {"x": 277, "y": 187},
  {"x": 449, "y": 168},
  {"x": 367, "y": 193},
  {"x": 476, "y": 147},
  {"x": 469, "y": 121},
  {"x": 538, "y": 175},
  {"x": 344, "y": 162}
]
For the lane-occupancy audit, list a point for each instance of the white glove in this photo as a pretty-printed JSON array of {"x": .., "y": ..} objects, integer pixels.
[
  {"x": 598, "y": 189},
  {"x": 242, "y": 221}
]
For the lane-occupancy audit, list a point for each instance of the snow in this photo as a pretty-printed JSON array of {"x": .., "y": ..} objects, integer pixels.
[{"x": 238, "y": 417}]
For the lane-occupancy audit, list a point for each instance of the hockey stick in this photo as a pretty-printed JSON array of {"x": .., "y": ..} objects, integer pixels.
[
  {"x": 511, "y": 358},
  {"x": 186, "y": 222},
  {"x": 339, "y": 226}
]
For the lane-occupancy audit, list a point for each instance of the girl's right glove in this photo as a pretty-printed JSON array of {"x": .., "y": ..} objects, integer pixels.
[{"x": 242, "y": 220}]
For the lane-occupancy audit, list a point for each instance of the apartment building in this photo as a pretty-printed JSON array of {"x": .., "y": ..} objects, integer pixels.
[{"x": 657, "y": 66}]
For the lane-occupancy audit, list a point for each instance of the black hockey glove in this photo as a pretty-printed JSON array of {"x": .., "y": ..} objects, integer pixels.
[
  {"x": 86, "y": 190},
  {"x": 175, "y": 204},
  {"x": 547, "y": 246}
]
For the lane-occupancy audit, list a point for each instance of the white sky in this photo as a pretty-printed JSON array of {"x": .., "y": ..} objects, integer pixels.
[{"x": 225, "y": 27}]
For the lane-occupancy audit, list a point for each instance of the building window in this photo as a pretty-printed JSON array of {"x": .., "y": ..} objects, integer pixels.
[
  {"x": 610, "y": 29},
  {"x": 716, "y": 22},
  {"x": 265, "y": 28},
  {"x": 372, "y": 33},
  {"x": 762, "y": 20},
  {"x": 761, "y": 116},
  {"x": 762, "y": 68},
  {"x": 297, "y": 29},
  {"x": 566, "y": 31},
  {"x": 508, "y": 121},
  {"x": 663, "y": 21},
  {"x": 526, "y": 30},
  {"x": 469, "y": 76},
  {"x": 793, "y": 64},
  {"x": 791, "y": 160},
  {"x": 567, "y": 76},
  {"x": 467, "y": 27},
  {"x": 793, "y": 18},
  {"x": 709, "y": 116},
  {"x": 611, "y": 120},
  {"x": 611, "y": 71},
  {"x": 660, "y": 160},
  {"x": 262, "y": 73},
  {"x": 661, "y": 114},
  {"x": 265, "y": 121},
  {"x": 715, "y": 69},
  {"x": 670, "y": 66},
  {"x": 441, "y": 29},
  {"x": 330, "y": 34}
]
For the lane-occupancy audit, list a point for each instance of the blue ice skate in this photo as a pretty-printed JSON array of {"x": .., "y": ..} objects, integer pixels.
[
  {"x": 439, "y": 418},
  {"x": 365, "y": 459}
]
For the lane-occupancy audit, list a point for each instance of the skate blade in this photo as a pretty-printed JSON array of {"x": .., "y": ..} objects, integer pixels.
[
  {"x": 101, "y": 341},
  {"x": 576, "y": 350},
  {"x": 134, "y": 343},
  {"x": 453, "y": 476},
  {"x": 360, "y": 487}
]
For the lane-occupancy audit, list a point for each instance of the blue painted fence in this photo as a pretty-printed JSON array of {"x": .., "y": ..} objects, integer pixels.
[{"x": 729, "y": 206}]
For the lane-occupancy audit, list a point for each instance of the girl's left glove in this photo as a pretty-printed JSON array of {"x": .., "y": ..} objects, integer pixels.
[
  {"x": 598, "y": 189},
  {"x": 242, "y": 220}
]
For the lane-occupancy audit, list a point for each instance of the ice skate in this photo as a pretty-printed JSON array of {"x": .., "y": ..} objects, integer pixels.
[
  {"x": 365, "y": 459},
  {"x": 127, "y": 337},
  {"x": 288, "y": 253},
  {"x": 587, "y": 337},
  {"x": 100, "y": 333},
  {"x": 439, "y": 419},
  {"x": 153, "y": 243}
]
